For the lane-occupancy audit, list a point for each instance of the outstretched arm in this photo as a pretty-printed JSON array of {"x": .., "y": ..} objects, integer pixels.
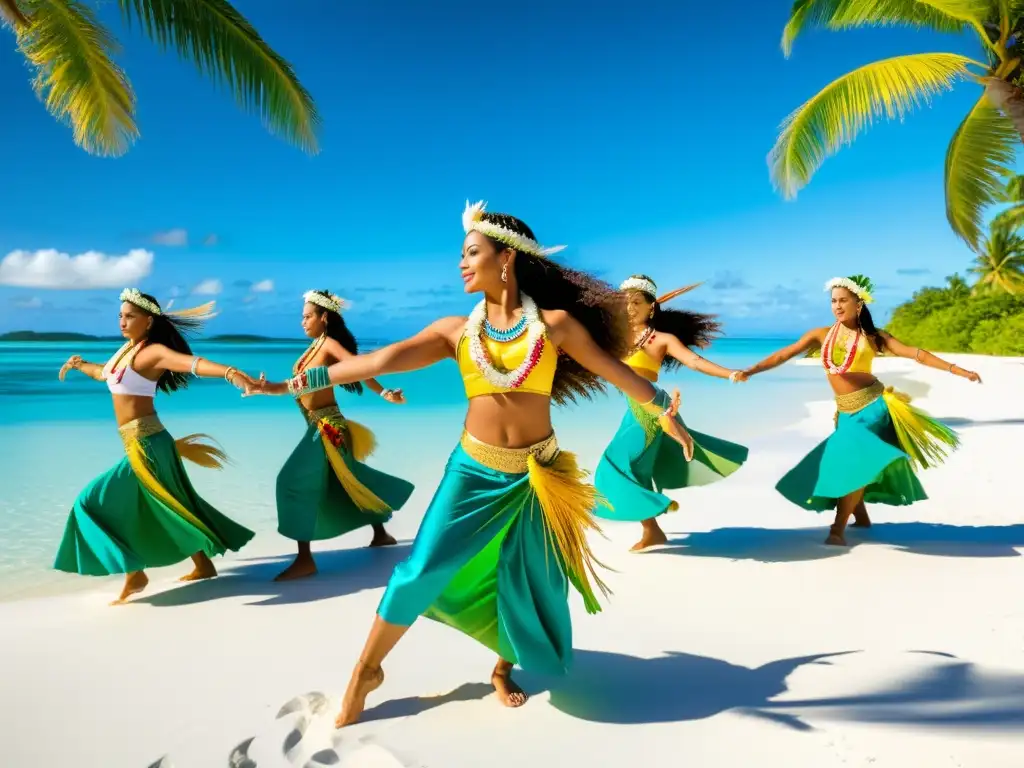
[
  {"x": 76, "y": 363},
  {"x": 429, "y": 346},
  {"x": 924, "y": 357},
  {"x": 689, "y": 358},
  {"x": 164, "y": 358},
  {"x": 338, "y": 352},
  {"x": 807, "y": 342}
]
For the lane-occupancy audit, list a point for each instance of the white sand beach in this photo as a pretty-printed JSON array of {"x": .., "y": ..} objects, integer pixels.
[{"x": 746, "y": 642}]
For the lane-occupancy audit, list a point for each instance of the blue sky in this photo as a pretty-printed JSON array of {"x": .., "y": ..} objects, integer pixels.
[{"x": 639, "y": 139}]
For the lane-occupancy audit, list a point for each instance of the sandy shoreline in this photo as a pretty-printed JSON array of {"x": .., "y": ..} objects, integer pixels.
[{"x": 746, "y": 641}]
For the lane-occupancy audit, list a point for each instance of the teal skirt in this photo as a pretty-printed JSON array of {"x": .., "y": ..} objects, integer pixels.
[
  {"x": 641, "y": 461},
  {"x": 501, "y": 542},
  {"x": 324, "y": 491},
  {"x": 144, "y": 512},
  {"x": 875, "y": 447}
]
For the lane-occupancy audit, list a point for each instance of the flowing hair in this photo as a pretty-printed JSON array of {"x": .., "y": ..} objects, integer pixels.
[
  {"x": 867, "y": 326},
  {"x": 693, "y": 329},
  {"x": 595, "y": 304},
  {"x": 338, "y": 330},
  {"x": 172, "y": 331}
]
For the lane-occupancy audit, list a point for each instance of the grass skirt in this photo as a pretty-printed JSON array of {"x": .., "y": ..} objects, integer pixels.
[
  {"x": 144, "y": 512},
  {"x": 325, "y": 490},
  {"x": 501, "y": 542},
  {"x": 641, "y": 461},
  {"x": 879, "y": 441}
]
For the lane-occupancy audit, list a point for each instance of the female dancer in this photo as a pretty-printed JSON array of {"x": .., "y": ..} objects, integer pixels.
[
  {"x": 639, "y": 462},
  {"x": 506, "y": 531},
  {"x": 880, "y": 439},
  {"x": 324, "y": 490},
  {"x": 144, "y": 512}
]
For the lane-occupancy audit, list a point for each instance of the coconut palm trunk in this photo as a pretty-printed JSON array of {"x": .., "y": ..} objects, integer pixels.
[{"x": 1008, "y": 99}]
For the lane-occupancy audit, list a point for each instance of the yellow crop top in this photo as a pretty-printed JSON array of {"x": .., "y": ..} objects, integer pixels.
[
  {"x": 507, "y": 355},
  {"x": 862, "y": 359},
  {"x": 642, "y": 362}
]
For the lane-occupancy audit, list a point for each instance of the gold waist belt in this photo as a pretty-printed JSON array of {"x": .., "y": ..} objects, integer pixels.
[
  {"x": 140, "y": 428},
  {"x": 509, "y": 460},
  {"x": 323, "y": 413},
  {"x": 861, "y": 399}
]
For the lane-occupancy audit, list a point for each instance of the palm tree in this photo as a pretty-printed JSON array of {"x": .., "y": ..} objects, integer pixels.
[
  {"x": 999, "y": 264},
  {"x": 984, "y": 145},
  {"x": 76, "y": 77}
]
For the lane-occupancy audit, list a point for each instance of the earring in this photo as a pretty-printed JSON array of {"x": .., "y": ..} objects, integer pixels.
[{"x": 504, "y": 273}]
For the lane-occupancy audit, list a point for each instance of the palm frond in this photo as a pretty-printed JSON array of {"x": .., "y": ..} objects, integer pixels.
[
  {"x": 846, "y": 14},
  {"x": 889, "y": 88},
  {"x": 12, "y": 14},
  {"x": 975, "y": 12},
  {"x": 981, "y": 150},
  {"x": 227, "y": 48},
  {"x": 76, "y": 76},
  {"x": 1011, "y": 218}
]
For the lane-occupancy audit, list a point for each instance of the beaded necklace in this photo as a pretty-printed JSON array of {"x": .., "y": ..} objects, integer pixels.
[
  {"x": 830, "y": 343},
  {"x": 309, "y": 354},
  {"x": 640, "y": 343},
  {"x": 536, "y": 332},
  {"x": 508, "y": 334}
]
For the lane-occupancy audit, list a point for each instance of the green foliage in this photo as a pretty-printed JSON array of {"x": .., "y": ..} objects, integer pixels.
[{"x": 955, "y": 319}]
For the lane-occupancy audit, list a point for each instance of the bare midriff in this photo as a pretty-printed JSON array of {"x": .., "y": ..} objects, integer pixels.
[
  {"x": 846, "y": 383},
  {"x": 322, "y": 398},
  {"x": 128, "y": 408},
  {"x": 510, "y": 420}
]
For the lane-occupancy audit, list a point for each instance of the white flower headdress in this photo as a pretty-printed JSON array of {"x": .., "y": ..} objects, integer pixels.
[
  {"x": 134, "y": 296},
  {"x": 331, "y": 302},
  {"x": 473, "y": 220},
  {"x": 859, "y": 285},
  {"x": 639, "y": 284},
  {"x": 201, "y": 313}
]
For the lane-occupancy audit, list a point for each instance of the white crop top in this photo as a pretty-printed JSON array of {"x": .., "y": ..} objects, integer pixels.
[{"x": 131, "y": 383}]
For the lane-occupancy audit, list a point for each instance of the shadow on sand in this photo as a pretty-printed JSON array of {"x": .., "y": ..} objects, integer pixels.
[
  {"x": 341, "y": 572},
  {"x": 773, "y": 545},
  {"x": 618, "y": 689}
]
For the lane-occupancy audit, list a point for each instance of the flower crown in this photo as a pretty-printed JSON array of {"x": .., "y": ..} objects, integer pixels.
[
  {"x": 134, "y": 296},
  {"x": 859, "y": 285},
  {"x": 331, "y": 302},
  {"x": 639, "y": 284},
  {"x": 473, "y": 220}
]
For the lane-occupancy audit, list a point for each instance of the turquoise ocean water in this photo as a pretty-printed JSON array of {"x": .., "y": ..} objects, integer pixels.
[{"x": 57, "y": 436}]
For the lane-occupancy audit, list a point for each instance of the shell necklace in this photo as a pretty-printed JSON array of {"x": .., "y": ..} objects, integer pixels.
[
  {"x": 535, "y": 333},
  {"x": 830, "y": 342}
]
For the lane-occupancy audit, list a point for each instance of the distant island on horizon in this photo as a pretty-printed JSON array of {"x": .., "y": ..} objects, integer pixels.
[{"x": 238, "y": 338}]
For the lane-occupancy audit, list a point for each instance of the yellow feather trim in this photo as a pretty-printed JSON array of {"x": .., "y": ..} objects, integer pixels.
[
  {"x": 361, "y": 439},
  {"x": 924, "y": 439},
  {"x": 567, "y": 504},
  {"x": 140, "y": 465},
  {"x": 361, "y": 496},
  {"x": 192, "y": 449}
]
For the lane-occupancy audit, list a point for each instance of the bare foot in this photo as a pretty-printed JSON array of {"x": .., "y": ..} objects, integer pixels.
[
  {"x": 364, "y": 681},
  {"x": 133, "y": 584},
  {"x": 203, "y": 570},
  {"x": 301, "y": 568},
  {"x": 509, "y": 694},
  {"x": 835, "y": 538},
  {"x": 650, "y": 539},
  {"x": 382, "y": 538}
]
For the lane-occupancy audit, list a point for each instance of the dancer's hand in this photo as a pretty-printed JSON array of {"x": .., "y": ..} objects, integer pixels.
[
  {"x": 395, "y": 396},
  {"x": 263, "y": 387},
  {"x": 971, "y": 376},
  {"x": 736, "y": 376},
  {"x": 74, "y": 362},
  {"x": 676, "y": 430}
]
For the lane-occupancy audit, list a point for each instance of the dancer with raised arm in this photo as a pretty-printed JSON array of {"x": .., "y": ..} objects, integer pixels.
[
  {"x": 640, "y": 463},
  {"x": 505, "y": 534},
  {"x": 143, "y": 512},
  {"x": 880, "y": 440},
  {"x": 325, "y": 490}
]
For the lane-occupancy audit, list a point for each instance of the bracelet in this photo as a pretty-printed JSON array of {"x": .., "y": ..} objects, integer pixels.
[
  {"x": 951, "y": 367},
  {"x": 195, "y": 364},
  {"x": 310, "y": 380},
  {"x": 229, "y": 374},
  {"x": 917, "y": 355}
]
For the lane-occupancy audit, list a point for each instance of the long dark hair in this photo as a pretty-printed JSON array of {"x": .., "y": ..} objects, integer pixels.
[
  {"x": 693, "y": 329},
  {"x": 867, "y": 326},
  {"x": 337, "y": 330},
  {"x": 595, "y": 304},
  {"x": 171, "y": 331}
]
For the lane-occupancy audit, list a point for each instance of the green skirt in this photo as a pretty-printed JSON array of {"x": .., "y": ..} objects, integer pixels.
[
  {"x": 325, "y": 490},
  {"x": 641, "y": 461},
  {"x": 878, "y": 442},
  {"x": 501, "y": 542},
  {"x": 144, "y": 512}
]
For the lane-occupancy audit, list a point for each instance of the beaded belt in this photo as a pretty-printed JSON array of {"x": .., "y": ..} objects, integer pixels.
[
  {"x": 861, "y": 399},
  {"x": 512, "y": 461},
  {"x": 146, "y": 426},
  {"x": 322, "y": 413}
]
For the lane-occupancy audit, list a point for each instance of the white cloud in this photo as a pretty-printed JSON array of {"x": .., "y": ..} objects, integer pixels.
[
  {"x": 208, "y": 288},
  {"x": 172, "y": 237},
  {"x": 263, "y": 286},
  {"x": 50, "y": 268}
]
